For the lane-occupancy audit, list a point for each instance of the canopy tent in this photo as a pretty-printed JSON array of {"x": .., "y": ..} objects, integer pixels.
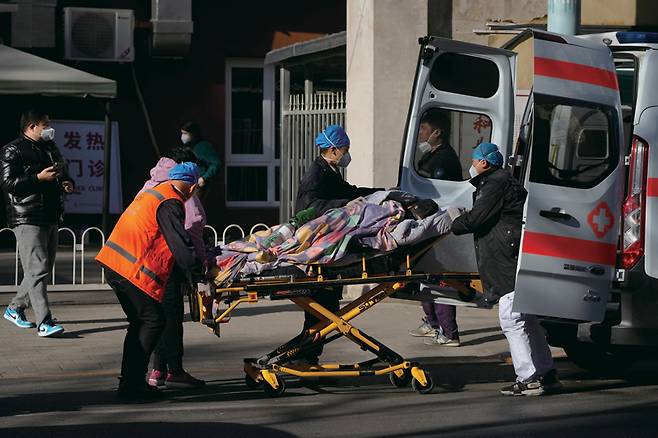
[{"x": 22, "y": 73}]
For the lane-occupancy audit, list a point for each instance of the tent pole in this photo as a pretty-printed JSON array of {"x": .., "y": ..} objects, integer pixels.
[{"x": 106, "y": 169}]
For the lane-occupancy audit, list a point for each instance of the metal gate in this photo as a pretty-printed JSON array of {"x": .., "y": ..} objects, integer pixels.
[
  {"x": 78, "y": 280},
  {"x": 300, "y": 123}
]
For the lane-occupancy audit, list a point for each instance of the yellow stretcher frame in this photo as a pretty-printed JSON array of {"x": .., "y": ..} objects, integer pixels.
[{"x": 264, "y": 372}]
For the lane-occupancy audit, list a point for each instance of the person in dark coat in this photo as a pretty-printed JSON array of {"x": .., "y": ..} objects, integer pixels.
[
  {"x": 495, "y": 221},
  {"x": 437, "y": 159},
  {"x": 34, "y": 179},
  {"x": 209, "y": 162},
  {"x": 323, "y": 188}
]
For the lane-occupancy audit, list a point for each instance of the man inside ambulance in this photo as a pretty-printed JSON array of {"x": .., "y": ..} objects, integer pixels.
[
  {"x": 495, "y": 222},
  {"x": 435, "y": 158}
]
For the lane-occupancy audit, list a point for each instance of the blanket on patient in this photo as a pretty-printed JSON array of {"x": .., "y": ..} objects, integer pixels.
[{"x": 377, "y": 221}]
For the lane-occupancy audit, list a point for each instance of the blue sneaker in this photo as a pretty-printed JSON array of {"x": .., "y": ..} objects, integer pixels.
[
  {"x": 17, "y": 316},
  {"x": 49, "y": 328}
]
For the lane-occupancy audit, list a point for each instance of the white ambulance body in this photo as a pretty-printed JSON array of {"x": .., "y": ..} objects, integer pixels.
[{"x": 589, "y": 172}]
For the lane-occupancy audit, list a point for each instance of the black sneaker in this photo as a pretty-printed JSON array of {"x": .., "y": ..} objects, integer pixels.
[
  {"x": 137, "y": 391},
  {"x": 533, "y": 387},
  {"x": 551, "y": 382}
]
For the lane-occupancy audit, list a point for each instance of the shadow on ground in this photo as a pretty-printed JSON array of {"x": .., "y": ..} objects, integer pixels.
[
  {"x": 90, "y": 321},
  {"x": 71, "y": 401},
  {"x": 448, "y": 377},
  {"x": 76, "y": 334},
  {"x": 147, "y": 429},
  {"x": 638, "y": 420}
]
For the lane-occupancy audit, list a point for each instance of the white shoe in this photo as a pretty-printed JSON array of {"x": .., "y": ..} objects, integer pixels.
[
  {"x": 423, "y": 330},
  {"x": 443, "y": 341}
]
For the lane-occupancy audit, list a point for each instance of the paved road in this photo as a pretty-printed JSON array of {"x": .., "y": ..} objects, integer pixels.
[{"x": 65, "y": 387}]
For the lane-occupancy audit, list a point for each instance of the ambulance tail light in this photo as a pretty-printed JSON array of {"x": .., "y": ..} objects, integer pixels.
[{"x": 633, "y": 216}]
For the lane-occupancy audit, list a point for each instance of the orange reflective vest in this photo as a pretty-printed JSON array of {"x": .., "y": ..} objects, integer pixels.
[{"x": 136, "y": 249}]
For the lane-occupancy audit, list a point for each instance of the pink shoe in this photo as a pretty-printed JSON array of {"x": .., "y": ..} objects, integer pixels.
[
  {"x": 183, "y": 380},
  {"x": 156, "y": 378}
]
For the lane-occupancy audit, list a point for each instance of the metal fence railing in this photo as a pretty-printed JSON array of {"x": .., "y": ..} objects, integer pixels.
[
  {"x": 78, "y": 279},
  {"x": 300, "y": 123}
]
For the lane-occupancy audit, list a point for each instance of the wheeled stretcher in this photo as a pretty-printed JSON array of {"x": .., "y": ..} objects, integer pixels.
[{"x": 391, "y": 274}]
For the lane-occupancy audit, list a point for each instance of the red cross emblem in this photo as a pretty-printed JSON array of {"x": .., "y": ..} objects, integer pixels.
[{"x": 601, "y": 219}]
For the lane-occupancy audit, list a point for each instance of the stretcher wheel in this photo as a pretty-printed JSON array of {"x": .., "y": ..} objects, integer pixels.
[
  {"x": 275, "y": 392},
  {"x": 401, "y": 382},
  {"x": 251, "y": 383},
  {"x": 423, "y": 389}
]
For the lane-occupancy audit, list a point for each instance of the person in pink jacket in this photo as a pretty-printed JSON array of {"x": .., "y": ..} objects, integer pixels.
[{"x": 168, "y": 355}]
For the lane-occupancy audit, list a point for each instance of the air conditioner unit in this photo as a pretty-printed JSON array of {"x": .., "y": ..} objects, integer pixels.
[{"x": 92, "y": 34}]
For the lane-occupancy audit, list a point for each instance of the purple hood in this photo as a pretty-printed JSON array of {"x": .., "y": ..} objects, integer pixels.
[{"x": 195, "y": 215}]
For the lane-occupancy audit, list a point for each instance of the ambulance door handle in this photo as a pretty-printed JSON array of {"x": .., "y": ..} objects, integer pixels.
[
  {"x": 596, "y": 270},
  {"x": 555, "y": 214}
]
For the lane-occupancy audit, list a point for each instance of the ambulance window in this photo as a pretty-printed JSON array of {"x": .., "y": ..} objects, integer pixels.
[
  {"x": 463, "y": 74},
  {"x": 573, "y": 144},
  {"x": 626, "y": 68},
  {"x": 445, "y": 143},
  {"x": 593, "y": 143},
  {"x": 626, "y": 80}
]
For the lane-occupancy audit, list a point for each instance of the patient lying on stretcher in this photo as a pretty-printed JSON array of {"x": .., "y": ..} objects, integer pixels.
[{"x": 382, "y": 221}]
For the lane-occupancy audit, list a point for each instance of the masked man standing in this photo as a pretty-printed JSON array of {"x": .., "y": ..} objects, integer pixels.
[
  {"x": 34, "y": 179},
  {"x": 495, "y": 221}
]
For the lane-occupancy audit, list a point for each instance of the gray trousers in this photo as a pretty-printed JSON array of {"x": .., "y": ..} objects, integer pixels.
[{"x": 37, "y": 246}]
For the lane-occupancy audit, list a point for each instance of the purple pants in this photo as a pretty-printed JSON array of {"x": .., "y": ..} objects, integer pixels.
[{"x": 442, "y": 316}]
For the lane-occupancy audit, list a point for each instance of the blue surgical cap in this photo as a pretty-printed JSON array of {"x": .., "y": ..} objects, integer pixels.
[
  {"x": 488, "y": 152},
  {"x": 333, "y": 135},
  {"x": 186, "y": 171}
]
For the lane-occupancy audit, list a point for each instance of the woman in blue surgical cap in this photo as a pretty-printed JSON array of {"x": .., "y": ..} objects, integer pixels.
[{"x": 324, "y": 188}]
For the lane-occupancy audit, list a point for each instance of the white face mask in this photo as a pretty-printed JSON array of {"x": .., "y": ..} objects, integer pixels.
[
  {"x": 345, "y": 160},
  {"x": 48, "y": 134},
  {"x": 185, "y": 138},
  {"x": 424, "y": 147},
  {"x": 473, "y": 171}
]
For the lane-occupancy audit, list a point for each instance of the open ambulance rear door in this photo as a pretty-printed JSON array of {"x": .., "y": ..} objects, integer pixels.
[
  {"x": 472, "y": 86},
  {"x": 571, "y": 162}
]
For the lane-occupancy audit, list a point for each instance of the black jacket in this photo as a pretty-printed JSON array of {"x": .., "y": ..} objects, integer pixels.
[
  {"x": 323, "y": 188},
  {"x": 27, "y": 200},
  {"x": 495, "y": 221},
  {"x": 441, "y": 163},
  {"x": 171, "y": 221}
]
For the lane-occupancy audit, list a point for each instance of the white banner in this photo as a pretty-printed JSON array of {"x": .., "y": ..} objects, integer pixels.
[{"x": 82, "y": 146}]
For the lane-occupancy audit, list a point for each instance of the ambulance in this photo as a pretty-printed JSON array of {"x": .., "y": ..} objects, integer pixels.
[{"x": 575, "y": 118}]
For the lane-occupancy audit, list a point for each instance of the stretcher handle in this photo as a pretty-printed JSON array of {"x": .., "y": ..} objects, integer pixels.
[{"x": 313, "y": 284}]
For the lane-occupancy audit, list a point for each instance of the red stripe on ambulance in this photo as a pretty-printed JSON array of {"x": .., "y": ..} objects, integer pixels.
[
  {"x": 571, "y": 71},
  {"x": 652, "y": 187},
  {"x": 569, "y": 248}
]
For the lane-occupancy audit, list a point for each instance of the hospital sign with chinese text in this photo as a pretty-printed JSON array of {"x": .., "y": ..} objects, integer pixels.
[{"x": 82, "y": 145}]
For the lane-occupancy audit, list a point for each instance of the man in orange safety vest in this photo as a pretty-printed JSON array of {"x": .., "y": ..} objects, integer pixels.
[{"x": 139, "y": 256}]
